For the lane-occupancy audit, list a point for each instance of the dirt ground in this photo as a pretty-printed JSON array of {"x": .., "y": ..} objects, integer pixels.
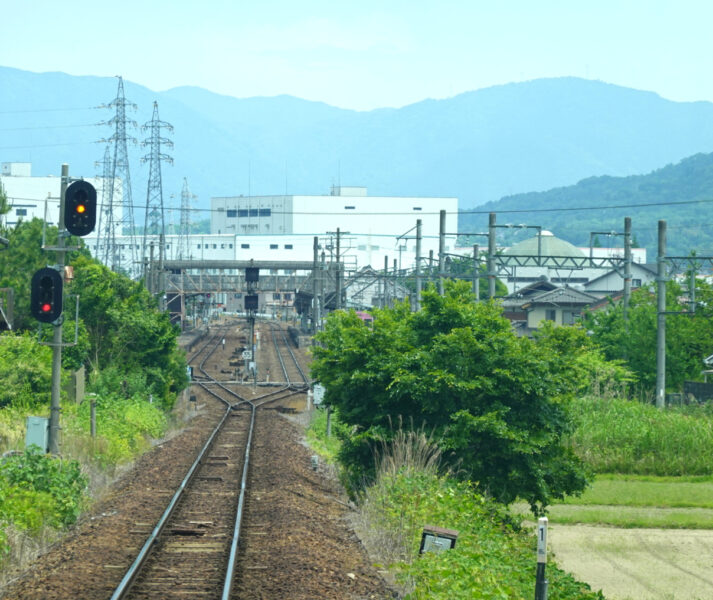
[
  {"x": 637, "y": 564},
  {"x": 298, "y": 543}
]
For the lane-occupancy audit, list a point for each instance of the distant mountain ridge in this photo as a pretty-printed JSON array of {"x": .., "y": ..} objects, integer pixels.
[
  {"x": 478, "y": 146},
  {"x": 680, "y": 194}
]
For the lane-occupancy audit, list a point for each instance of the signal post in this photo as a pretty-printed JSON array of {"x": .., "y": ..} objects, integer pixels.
[{"x": 77, "y": 217}]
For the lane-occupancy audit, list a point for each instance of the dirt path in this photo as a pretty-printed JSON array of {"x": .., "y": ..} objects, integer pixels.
[{"x": 637, "y": 564}]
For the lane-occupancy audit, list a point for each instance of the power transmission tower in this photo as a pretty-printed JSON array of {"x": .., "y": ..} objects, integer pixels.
[
  {"x": 104, "y": 201},
  {"x": 154, "y": 224},
  {"x": 185, "y": 228},
  {"x": 120, "y": 215}
]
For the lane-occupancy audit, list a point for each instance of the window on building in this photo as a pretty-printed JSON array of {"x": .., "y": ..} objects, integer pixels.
[
  {"x": 198, "y": 246},
  {"x": 417, "y": 208},
  {"x": 276, "y": 296},
  {"x": 222, "y": 246},
  {"x": 230, "y": 246},
  {"x": 374, "y": 247},
  {"x": 636, "y": 282},
  {"x": 273, "y": 246},
  {"x": 243, "y": 212},
  {"x": 215, "y": 246},
  {"x": 349, "y": 207},
  {"x": 21, "y": 212},
  {"x": 232, "y": 213},
  {"x": 288, "y": 296},
  {"x": 288, "y": 246},
  {"x": 245, "y": 246},
  {"x": 265, "y": 212},
  {"x": 253, "y": 212},
  {"x": 550, "y": 314}
]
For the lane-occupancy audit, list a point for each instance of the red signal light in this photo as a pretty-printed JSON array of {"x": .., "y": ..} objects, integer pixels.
[{"x": 46, "y": 307}]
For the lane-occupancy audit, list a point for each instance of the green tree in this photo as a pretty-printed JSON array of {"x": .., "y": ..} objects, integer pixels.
[
  {"x": 126, "y": 328},
  {"x": 25, "y": 371},
  {"x": 498, "y": 403},
  {"x": 689, "y": 337}
]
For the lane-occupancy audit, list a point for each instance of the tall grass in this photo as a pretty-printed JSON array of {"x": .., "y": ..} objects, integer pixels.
[{"x": 622, "y": 436}]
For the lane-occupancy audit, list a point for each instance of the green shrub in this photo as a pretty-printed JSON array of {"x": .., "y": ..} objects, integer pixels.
[
  {"x": 622, "y": 436},
  {"x": 37, "y": 489},
  {"x": 493, "y": 558},
  {"x": 125, "y": 426}
]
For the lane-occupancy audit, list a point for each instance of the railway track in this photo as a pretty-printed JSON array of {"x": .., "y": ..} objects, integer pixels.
[{"x": 192, "y": 550}]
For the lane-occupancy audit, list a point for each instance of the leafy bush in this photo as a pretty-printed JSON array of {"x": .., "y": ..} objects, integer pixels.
[
  {"x": 492, "y": 559},
  {"x": 37, "y": 489},
  {"x": 497, "y": 402},
  {"x": 25, "y": 371},
  {"x": 622, "y": 436},
  {"x": 125, "y": 426}
]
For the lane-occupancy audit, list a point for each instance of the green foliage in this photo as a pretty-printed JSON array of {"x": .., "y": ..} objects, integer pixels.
[
  {"x": 689, "y": 338},
  {"x": 126, "y": 421},
  {"x": 621, "y": 436},
  {"x": 660, "y": 193},
  {"x": 492, "y": 558},
  {"x": 126, "y": 328},
  {"x": 37, "y": 489},
  {"x": 25, "y": 371},
  {"x": 497, "y": 402}
]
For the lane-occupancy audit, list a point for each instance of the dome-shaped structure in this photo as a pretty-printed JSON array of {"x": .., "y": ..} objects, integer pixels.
[{"x": 549, "y": 246}]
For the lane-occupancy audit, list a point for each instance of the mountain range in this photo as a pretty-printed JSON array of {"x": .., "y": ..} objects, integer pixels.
[{"x": 478, "y": 146}]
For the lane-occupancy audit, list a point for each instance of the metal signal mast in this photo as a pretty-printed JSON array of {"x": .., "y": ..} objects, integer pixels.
[
  {"x": 154, "y": 224},
  {"x": 119, "y": 214}
]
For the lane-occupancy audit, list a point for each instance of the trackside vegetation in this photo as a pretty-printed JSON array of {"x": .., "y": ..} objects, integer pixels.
[
  {"x": 498, "y": 405},
  {"x": 134, "y": 371}
]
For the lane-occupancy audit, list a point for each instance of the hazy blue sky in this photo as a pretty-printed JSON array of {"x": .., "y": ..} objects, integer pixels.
[{"x": 366, "y": 54}]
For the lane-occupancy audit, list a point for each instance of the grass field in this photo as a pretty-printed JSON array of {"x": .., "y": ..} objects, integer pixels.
[{"x": 638, "y": 537}]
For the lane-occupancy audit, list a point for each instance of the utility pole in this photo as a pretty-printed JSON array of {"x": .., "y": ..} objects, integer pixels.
[
  {"x": 476, "y": 273},
  {"x": 441, "y": 250},
  {"x": 396, "y": 273},
  {"x": 322, "y": 278},
  {"x": 661, "y": 319},
  {"x": 418, "y": 265},
  {"x": 57, "y": 334},
  {"x": 315, "y": 288},
  {"x": 491, "y": 256},
  {"x": 338, "y": 284},
  {"x": 386, "y": 281},
  {"x": 627, "y": 269}
]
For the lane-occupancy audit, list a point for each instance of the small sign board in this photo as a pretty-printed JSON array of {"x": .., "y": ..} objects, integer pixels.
[
  {"x": 248, "y": 354},
  {"x": 437, "y": 539},
  {"x": 318, "y": 394}
]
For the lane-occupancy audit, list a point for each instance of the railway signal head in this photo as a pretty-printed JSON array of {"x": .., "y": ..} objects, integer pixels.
[
  {"x": 252, "y": 274},
  {"x": 46, "y": 295},
  {"x": 251, "y": 302},
  {"x": 80, "y": 208}
]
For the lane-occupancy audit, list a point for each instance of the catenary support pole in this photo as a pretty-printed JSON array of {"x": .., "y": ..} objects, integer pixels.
[
  {"x": 315, "y": 289},
  {"x": 476, "y": 273},
  {"x": 627, "y": 269},
  {"x": 53, "y": 441},
  {"x": 418, "y": 265},
  {"x": 394, "y": 296},
  {"x": 441, "y": 250},
  {"x": 491, "y": 256},
  {"x": 338, "y": 285},
  {"x": 661, "y": 319},
  {"x": 386, "y": 281}
]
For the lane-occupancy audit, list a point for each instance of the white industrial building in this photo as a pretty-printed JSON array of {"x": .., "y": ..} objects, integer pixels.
[
  {"x": 372, "y": 228},
  {"x": 28, "y": 195}
]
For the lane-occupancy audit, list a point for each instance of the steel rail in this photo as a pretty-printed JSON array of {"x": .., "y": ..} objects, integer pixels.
[{"x": 126, "y": 582}]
